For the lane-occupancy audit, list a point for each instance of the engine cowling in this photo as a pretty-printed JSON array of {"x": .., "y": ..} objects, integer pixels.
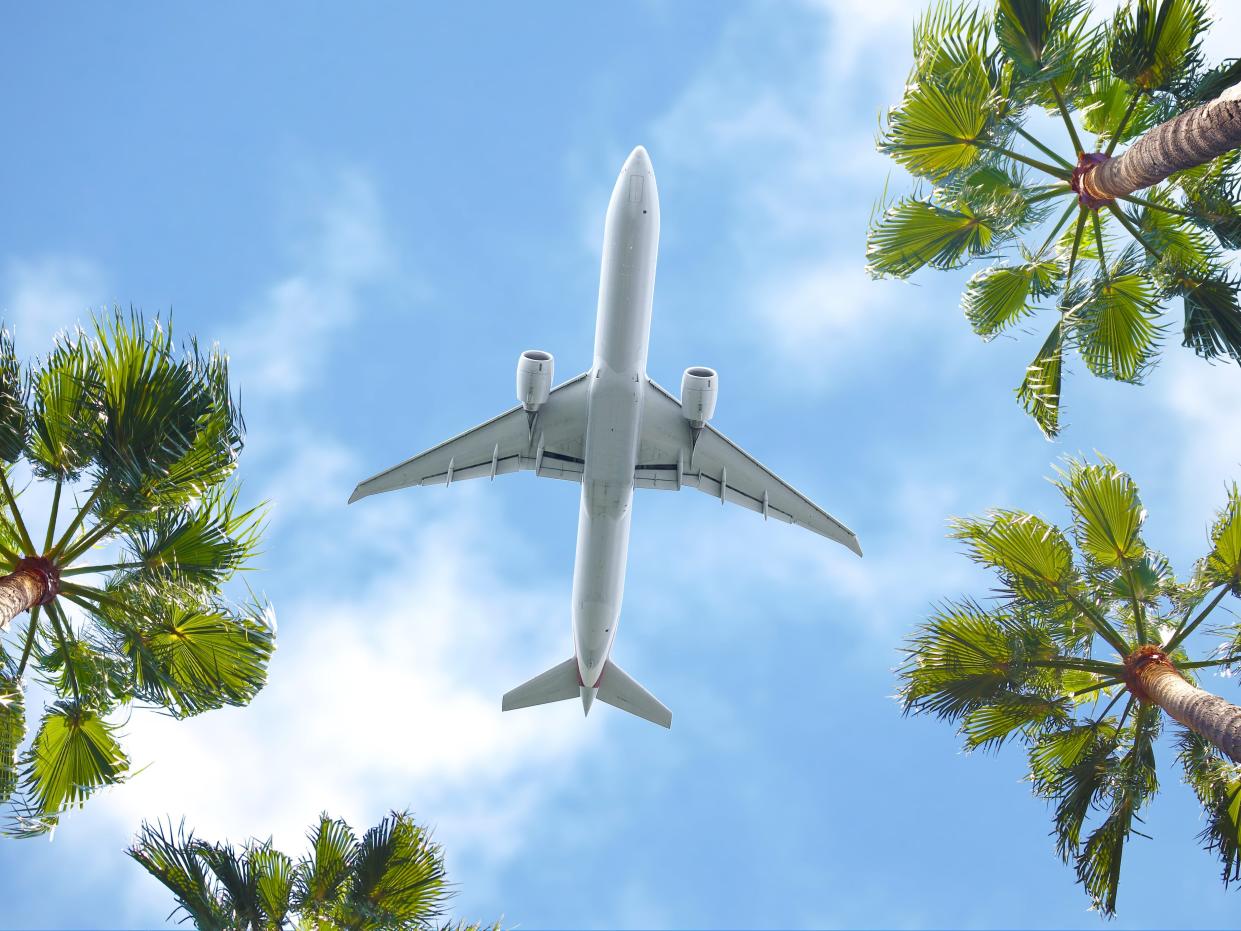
[
  {"x": 699, "y": 388},
  {"x": 534, "y": 378}
]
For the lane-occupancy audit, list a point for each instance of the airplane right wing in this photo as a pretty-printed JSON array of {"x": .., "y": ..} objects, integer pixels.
[
  {"x": 669, "y": 458},
  {"x": 552, "y": 446}
]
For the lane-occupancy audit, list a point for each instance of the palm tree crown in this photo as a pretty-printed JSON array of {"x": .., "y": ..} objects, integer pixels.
[
  {"x": 1075, "y": 658},
  {"x": 123, "y": 588},
  {"x": 393, "y": 879},
  {"x": 1070, "y": 231}
]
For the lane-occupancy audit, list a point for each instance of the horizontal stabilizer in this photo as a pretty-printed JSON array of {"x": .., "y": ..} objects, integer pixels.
[
  {"x": 620, "y": 691},
  {"x": 559, "y": 683}
]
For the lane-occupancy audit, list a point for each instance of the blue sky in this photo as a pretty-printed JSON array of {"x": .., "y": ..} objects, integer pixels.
[{"x": 374, "y": 211}]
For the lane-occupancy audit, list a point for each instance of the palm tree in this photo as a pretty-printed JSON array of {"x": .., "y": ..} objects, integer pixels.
[
  {"x": 393, "y": 879},
  {"x": 1070, "y": 230},
  {"x": 1070, "y": 640},
  {"x": 123, "y": 589}
]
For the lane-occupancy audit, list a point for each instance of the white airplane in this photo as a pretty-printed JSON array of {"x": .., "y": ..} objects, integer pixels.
[{"x": 611, "y": 429}]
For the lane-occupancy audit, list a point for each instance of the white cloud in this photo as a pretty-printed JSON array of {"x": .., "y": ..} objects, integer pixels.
[
  {"x": 775, "y": 119},
  {"x": 384, "y": 692},
  {"x": 43, "y": 295},
  {"x": 341, "y": 248}
]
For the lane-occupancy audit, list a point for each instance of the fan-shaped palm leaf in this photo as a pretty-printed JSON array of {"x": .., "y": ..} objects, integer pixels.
[
  {"x": 14, "y": 418},
  {"x": 1115, "y": 326},
  {"x": 1039, "y": 392},
  {"x": 914, "y": 233},
  {"x": 12, "y": 732},
  {"x": 322, "y": 876},
  {"x": 1217, "y": 783},
  {"x": 1154, "y": 42},
  {"x": 935, "y": 128},
  {"x": 1028, "y": 669},
  {"x": 1107, "y": 512},
  {"x": 176, "y": 863},
  {"x": 74, "y": 753}
]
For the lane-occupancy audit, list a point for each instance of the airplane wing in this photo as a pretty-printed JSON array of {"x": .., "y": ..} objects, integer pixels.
[
  {"x": 668, "y": 459},
  {"x": 553, "y": 446}
]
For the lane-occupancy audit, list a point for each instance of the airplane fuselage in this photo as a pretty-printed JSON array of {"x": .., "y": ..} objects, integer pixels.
[{"x": 614, "y": 413}]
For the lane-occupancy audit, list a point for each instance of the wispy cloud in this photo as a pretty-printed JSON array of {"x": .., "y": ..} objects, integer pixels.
[
  {"x": 341, "y": 250},
  {"x": 41, "y": 296}
]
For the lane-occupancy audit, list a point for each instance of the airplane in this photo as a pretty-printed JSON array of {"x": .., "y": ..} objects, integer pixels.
[{"x": 611, "y": 429}]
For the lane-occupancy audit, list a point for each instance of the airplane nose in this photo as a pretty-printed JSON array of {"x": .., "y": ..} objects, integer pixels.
[{"x": 638, "y": 160}]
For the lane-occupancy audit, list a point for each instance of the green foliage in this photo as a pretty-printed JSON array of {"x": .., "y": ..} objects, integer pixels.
[
  {"x": 12, "y": 732},
  {"x": 1222, "y": 565},
  {"x": 1115, "y": 325},
  {"x": 914, "y": 233},
  {"x": 1217, "y": 783},
  {"x": 14, "y": 418},
  {"x": 1156, "y": 42},
  {"x": 74, "y": 753},
  {"x": 139, "y": 439},
  {"x": 392, "y": 879},
  {"x": 1043, "y": 664},
  {"x": 1000, "y": 295},
  {"x": 978, "y": 71},
  {"x": 1039, "y": 391}
]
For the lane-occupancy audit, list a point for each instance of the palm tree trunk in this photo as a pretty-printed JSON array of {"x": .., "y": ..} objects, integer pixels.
[
  {"x": 24, "y": 588},
  {"x": 1214, "y": 718},
  {"x": 1185, "y": 141}
]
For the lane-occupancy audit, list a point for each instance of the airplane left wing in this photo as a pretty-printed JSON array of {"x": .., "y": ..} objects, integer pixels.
[
  {"x": 552, "y": 446},
  {"x": 669, "y": 459}
]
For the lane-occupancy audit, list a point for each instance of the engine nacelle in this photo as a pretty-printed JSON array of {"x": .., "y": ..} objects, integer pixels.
[
  {"x": 534, "y": 378},
  {"x": 699, "y": 388}
]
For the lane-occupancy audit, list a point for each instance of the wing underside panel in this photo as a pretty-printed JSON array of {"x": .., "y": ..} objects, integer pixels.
[{"x": 671, "y": 458}]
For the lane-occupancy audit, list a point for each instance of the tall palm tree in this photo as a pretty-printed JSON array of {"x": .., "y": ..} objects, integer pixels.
[
  {"x": 123, "y": 588},
  {"x": 1069, "y": 229},
  {"x": 1077, "y": 656},
  {"x": 393, "y": 879}
]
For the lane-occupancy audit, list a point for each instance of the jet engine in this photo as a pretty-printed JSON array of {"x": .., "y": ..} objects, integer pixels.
[
  {"x": 534, "y": 378},
  {"x": 699, "y": 387}
]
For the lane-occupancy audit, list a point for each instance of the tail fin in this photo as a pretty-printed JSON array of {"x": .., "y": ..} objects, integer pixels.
[
  {"x": 562, "y": 682},
  {"x": 559, "y": 683},
  {"x": 620, "y": 691}
]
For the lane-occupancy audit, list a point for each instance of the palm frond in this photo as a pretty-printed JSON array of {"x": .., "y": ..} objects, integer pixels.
[
  {"x": 1071, "y": 766},
  {"x": 12, "y": 732},
  {"x": 74, "y": 753},
  {"x": 1039, "y": 36},
  {"x": 1132, "y": 781},
  {"x": 322, "y": 877},
  {"x": 237, "y": 881},
  {"x": 1033, "y": 558},
  {"x": 273, "y": 879},
  {"x": 204, "y": 544},
  {"x": 190, "y": 653},
  {"x": 1217, "y": 783},
  {"x": 174, "y": 861},
  {"x": 1222, "y": 565},
  {"x": 1039, "y": 392},
  {"x": 1107, "y": 512},
  {"x": 1115, "y": 326},
  {"x": 1212, "y": 315},
  {"x": 937, "y": 126},
  {"x": 965, "y": 658},
  {"x": 1155, "y": 42},
  {"x": 398, "y": 877},
  {"x": 913, "y": 233},
  {"x": 1001, "y": 295},
  {"x": 14, "y": 388},
  {"x": 67, "y": 404},
  {"x": 1213, "y": 197}
]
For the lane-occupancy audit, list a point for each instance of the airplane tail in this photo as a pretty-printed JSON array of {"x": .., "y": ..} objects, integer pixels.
[{"x": 561, "y": 682}]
